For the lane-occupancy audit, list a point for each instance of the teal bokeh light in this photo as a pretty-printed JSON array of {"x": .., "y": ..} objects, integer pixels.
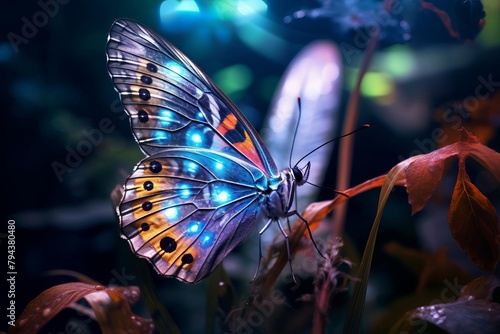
[{"x": 178, "y": 16}]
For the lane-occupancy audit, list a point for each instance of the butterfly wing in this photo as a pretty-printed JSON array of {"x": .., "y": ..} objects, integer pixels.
[
  {"x": 199, "y": 190},
  {"x": 172, "y": 103},
  {"x": 184, "y": 210}
]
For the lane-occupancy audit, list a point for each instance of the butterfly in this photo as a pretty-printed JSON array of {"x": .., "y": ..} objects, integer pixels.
[{"x": 207, "y": 178}]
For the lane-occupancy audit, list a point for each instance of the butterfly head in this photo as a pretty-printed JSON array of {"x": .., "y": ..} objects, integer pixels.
[{"x": 301, "y": 174}]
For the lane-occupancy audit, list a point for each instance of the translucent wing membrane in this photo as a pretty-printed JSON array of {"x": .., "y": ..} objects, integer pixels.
[{"x": 172, "y": 103}]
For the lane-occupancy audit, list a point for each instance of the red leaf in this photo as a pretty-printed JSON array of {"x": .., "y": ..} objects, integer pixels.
[
  {"x": 424, "y": 174},
  {"x": 422, "y": 178},
  {"x": 49, "y": 303},
  {"x": 474, "y": 223},
  {"x": 114, "y": 314},
  {"x": 110, "y": 305},
  {"x": 472, "y": 218}
]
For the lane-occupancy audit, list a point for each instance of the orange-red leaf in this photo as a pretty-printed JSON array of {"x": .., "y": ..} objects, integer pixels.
[
  {"x": 110, "y": 305},
  {"x": 474, "y": 223},
  {"x": 49, "y": 303},
  {"x": 422, "y": 178},
  {"x": 114, "y": 314},
  {"x": 425, "y": 172},
  {"x": 472, "y": 218}
]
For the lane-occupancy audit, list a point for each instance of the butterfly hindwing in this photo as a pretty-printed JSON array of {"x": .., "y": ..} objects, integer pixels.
[
  {"x": 172, "y": 103},
  {"x": 184, "y": 210}
]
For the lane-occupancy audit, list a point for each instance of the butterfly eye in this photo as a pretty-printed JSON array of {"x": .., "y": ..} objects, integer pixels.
[
  {"x": 297, "y": 173},
  {"x": 301, "y": 175}
]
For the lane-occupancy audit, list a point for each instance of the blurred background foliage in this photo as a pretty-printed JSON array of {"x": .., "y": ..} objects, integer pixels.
[{"x": 56, "y": 94}]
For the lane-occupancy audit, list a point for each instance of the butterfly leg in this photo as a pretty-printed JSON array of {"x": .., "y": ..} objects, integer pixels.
[
  {"x": 260, "y": 247},
  {"x": 287, "y": 249},
  {"x": 294, "y": 212}
]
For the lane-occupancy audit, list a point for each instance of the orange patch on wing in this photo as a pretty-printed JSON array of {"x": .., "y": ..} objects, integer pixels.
[
  {"x": 229, "y": 123},
  {"x": 248, "y": 149}
]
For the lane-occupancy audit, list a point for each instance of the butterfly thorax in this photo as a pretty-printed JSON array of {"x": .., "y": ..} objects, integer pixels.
[{"x": 281, "y": 192}]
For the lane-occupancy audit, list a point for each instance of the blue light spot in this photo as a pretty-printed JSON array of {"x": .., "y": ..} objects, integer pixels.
[
  {"x": 166, "y": 114},
  {"x": 179, "y": 16},
  {"x": 185, "y": 192},
  {"x": 207, "y": 239},
  {"x": 200, "y": 116},
  {"x": 196, "y": 138},
  {"x": 172, "y": 213},
  {"x": 165, "y": 117},
  {"x": 219, "y": 165},
  {"x": 192, "y": 167},
  {"x": 176, "y": 68},
  {"x": 160, "y": 136},
  {"x": 223, "y": 196},
  {"x": 193, "y": 228}
]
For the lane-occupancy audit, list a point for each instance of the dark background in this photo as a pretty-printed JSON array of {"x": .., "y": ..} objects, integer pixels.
[{"x": 55, "y": 88}]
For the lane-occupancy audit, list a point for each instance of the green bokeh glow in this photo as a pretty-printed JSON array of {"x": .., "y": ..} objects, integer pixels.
[{"x": 234, "y": 78}]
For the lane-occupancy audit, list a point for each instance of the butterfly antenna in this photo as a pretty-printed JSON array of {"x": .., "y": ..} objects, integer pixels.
[
  {"x": 362, "y": 127},
  {"x": 296, "y": 131},
  {"x": 330, "y": 189}
]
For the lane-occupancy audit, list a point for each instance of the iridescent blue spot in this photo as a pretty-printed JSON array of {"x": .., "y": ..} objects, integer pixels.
[
  {"x": 172, "y": 213},
  {"x": 174, "y": 67},
  {"x": 219, "y": 165},
  {"x": 161, "y": 136},
  {"x": 200, "y": 116},
  {"x": 193, "y": 228},
  {"x": 207, "y": 239},
  {"x": 191, "y": 166},
  {"x": 222, "y": 196},
  {"x": 185, "y": 193},
  {"x": 194, "y": 137},
  {"x": 165, "y": 116}
]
